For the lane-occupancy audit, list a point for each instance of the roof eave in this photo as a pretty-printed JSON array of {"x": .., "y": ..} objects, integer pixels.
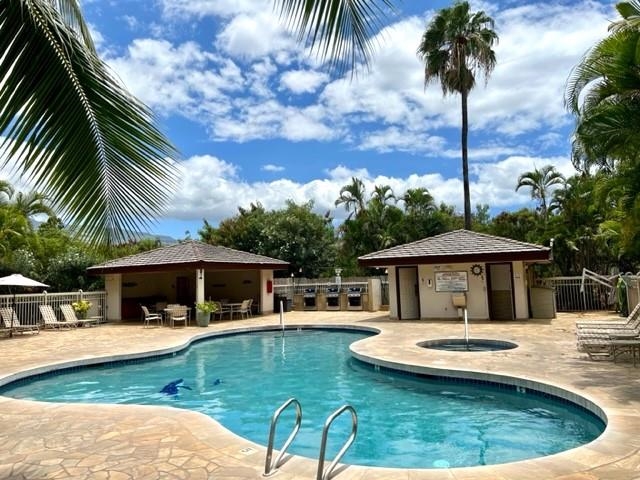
[
  {"x": 106, "y": 270},
  {"x": 541, "y": 256}
]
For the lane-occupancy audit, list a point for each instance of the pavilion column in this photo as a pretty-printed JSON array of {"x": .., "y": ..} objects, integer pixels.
[{"x": 199, "y": 285}]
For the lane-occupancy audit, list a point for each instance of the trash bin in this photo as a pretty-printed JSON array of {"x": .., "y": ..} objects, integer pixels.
[{"x": 286, "y": 304}]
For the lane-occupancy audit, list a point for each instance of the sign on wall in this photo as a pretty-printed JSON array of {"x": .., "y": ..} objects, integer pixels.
[{"x": 451, "y": 282}]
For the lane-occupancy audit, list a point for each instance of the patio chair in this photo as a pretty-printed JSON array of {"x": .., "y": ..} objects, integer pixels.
[
  {"x": 179, "y": 314},
  {"x": 221, "y": 310},
  {"x": 245, "y": 309},
  {"x": 150, "y": 317},
  {"x": 70, "y": 316},
  {"x": 15, "y": 326},
  {"x": 50, "y": 320}
]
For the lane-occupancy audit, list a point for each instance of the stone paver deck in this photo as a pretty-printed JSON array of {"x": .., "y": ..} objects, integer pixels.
[{"x": 80, "y": 441}]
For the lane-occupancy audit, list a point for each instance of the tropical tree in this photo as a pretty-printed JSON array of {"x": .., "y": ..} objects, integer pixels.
[
  {"x": 352, "y": 197},
  {"x": 418, "y": 201},
  {"x": 71, "y": 127},
  {"x": 90, "y": 146},
  {"x": 540, "y": 181},
  {"x": 339, "y": 31},
  {"x": 455, "y": 48},
  {"x": 603, "y": 92}
]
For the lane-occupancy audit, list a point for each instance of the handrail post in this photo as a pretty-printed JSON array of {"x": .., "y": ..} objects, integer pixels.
[
  {"x": 270, "y": 467},
  {"x": 325, "y": 475}
]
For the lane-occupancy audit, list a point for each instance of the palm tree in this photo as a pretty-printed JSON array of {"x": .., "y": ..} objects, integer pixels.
[
  {"x": 338, "y": 30},
  {"x": 603, "y": 92},
  {"x": 540, "y": 181},
  {"x": 418, "y": 201},
  {"x": 383, "y": 194},
  {"x": 456, "y": 46},
  {"x": 352, "y": 197},
  {"x": 85, "y": 141}
]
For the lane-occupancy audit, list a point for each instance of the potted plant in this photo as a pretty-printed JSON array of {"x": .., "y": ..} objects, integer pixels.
[
  {"x": 81, "y": 307},
  {"x": 204, "y": 311}
]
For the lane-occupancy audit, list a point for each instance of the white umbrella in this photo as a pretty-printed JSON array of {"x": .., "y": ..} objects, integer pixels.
[{"x": 17, "y": 280}]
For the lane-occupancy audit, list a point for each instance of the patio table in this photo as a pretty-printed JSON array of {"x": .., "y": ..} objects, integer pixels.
[{"x": 232, "y": 307}]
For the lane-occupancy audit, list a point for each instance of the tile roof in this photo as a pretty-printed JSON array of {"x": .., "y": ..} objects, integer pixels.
[
  {"x": 191, "y": 254},
  {"x": 459, "y": 246}
]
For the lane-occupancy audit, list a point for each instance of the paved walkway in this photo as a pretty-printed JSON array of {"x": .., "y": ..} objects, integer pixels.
[{"x": 79, "y": 441}]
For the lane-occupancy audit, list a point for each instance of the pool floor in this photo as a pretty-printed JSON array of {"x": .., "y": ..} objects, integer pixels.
[{"x": 88, "y": 441}]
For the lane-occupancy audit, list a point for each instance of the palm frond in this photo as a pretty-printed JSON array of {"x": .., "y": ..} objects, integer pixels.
[
  {"x": 88, "y": 145},
  {"x": 339, "y": 31}
]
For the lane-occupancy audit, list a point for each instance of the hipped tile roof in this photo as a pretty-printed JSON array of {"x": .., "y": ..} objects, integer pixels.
[
  {"x": 459, "y": 246},
  {"x": 190, "y": 254}
]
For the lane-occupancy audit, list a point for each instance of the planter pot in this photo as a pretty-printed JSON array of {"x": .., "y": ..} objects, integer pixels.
[{"x": 202, "y": 319}]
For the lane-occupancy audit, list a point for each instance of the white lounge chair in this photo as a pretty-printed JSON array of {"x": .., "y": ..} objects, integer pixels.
[
  {"x": 14, "y": 324},
  {"x": 70, "y": 316},
  {"x": 50, "y": 320}
]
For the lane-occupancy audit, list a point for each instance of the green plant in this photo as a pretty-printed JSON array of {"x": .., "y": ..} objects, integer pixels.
[
  {"x": 207, "y": 307},
  {"x": 81, "y": 307}
]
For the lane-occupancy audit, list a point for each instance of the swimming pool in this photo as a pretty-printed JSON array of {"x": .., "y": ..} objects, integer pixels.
[{"x": 403, "y": 421}]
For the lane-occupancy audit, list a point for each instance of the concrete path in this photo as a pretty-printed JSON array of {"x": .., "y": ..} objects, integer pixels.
[{"x": 79, "y": 441}]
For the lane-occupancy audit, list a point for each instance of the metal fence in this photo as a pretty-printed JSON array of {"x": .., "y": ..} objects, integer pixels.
[
  {"x": 26, "y": 305},
  {"x": 589, "y": 292},
  {"x": 299, "y": 287}
]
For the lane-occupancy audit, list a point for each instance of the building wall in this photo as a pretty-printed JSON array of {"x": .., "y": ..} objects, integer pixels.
[
  {"x": 113, "y": 287},
  {"x": 439, "y": 305},
  {"x": 520, "y": 288},
  {"x": 266, "y": 298},
  {"x": 393, "y": 292},
  {"x": 434, "y": 304}
]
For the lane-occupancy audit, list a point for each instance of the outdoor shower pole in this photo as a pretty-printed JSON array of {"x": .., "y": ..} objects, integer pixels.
[{"x": 466, "y": 327}]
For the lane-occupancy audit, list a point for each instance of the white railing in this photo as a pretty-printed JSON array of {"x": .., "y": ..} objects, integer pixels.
[
  {"x": 27, "y": 304},
  {"x": 590, "y": 291}
]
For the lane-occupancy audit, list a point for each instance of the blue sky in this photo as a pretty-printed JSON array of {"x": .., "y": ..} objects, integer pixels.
[{"x": 257, "y": 118}]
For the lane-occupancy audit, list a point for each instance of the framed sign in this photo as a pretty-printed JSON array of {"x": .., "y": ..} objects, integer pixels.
[{"x": 451, "y": 282}]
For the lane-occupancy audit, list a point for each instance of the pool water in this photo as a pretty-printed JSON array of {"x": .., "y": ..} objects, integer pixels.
[{"x": 403, "y": 421}]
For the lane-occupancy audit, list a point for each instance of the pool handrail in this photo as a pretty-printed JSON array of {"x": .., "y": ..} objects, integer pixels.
[
  {"x": 326, "y": 474},
  {"x": 270, "y": 468}
]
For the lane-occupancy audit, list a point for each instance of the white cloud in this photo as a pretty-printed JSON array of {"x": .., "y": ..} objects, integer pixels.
[
  {"x": 272, "y": 168},
  {"x": 213, "y": 188},
  {"x": 255, "y": 35},
  {"x": 302, "y": 81}
]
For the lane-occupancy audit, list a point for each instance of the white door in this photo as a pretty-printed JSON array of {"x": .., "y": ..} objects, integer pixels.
[{"x": 409, "y": 304}]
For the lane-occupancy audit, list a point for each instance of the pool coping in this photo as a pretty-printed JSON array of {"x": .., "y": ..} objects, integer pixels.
[{"x": 581, "y": 459}]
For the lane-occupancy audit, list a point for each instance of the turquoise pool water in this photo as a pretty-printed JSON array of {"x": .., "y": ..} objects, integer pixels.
[{"x": 404, "y": 421}]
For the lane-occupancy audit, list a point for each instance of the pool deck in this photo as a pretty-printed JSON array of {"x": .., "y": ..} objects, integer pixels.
[{"x": 82, "y": 441}]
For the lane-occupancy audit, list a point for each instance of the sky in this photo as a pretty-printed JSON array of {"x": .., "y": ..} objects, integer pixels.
[{"x": 258, "y": 118}]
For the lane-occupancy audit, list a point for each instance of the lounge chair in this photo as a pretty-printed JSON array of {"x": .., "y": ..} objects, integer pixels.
[
  {"x": 14, "y": 325},
  {"x": 50, "y": 320},
  {"x": 70, "y": 316},
  {"x": 150, "y": 317},
  {"x": 631, "y": 321}
]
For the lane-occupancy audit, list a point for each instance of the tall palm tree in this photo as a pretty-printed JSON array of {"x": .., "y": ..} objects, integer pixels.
[
  {"x": 456, "y": 46},
  {"x": 352, "y": 197},
  {"x": 540, "y": 182},
  {"x": 85, "y": 142}
]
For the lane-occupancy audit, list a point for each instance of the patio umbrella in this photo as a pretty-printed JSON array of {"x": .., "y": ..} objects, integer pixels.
[{"x": 17, "y": 280}]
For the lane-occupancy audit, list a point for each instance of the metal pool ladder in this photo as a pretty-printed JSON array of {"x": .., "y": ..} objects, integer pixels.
[
  {"x": 326, "y": 474},
  {"x": 270, "y": 467}
]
